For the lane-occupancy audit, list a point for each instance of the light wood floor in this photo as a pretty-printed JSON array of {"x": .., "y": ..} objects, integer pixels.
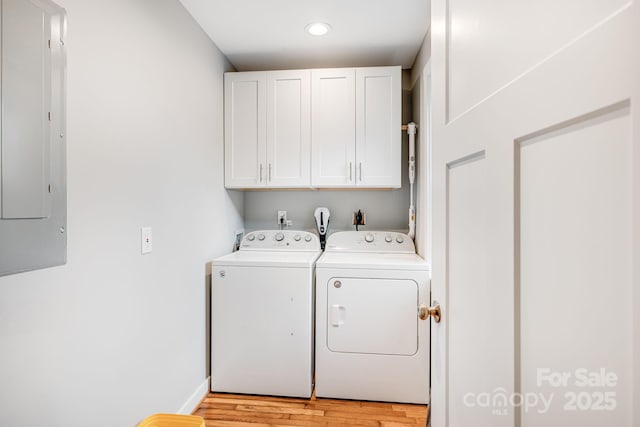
[{"x": 222, "y": 409}]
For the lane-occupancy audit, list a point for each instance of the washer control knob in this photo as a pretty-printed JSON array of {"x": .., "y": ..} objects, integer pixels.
[
  {"x": 388, "y": 239},
  {"x": 251, "y": 237},
  {"x": 307, "y": 238},
  {"x": 369, "y": 237},
  {"x": 297, "y": 237},
  {"x": 260, "y": 236},
  {"x": 279, "y": 237},
  {"x": 399, "y": 239}
]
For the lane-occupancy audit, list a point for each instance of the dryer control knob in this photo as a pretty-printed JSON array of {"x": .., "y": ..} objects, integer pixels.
[
  {"x": 279, "y": 237},
  {"x": 297, "y": 237},
  {"x": 399, "y": 239},
  {"x": 251, "y": 237},
  {"x": 260, "y": 236},
  {"x": 307, "y": 238},
  {"x": 388, "y": 239},
  {"x": 369, "y": 237}
]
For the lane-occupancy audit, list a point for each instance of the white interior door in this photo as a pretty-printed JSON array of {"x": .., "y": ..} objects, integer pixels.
[{"x": 536, "y": 213}]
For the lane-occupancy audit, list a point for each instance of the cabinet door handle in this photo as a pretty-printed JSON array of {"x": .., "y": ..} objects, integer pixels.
[
  {"x": 269, "y": 178},
  {"x": 360, "y": 169},
  {"x": 260, "y": 172},
  {"x": 350, "y": 171}
]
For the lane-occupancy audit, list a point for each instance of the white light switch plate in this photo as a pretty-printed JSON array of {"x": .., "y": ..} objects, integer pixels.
[{"x": 146, "y": 240}]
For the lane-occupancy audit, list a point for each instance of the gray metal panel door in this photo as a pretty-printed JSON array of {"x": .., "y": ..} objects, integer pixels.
[{"x": 32, "y": 136}]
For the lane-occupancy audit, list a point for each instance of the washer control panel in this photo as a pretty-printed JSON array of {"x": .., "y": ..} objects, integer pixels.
[
  {"x": 370, "y": 241},
  {"x": 280, "y": 240}
]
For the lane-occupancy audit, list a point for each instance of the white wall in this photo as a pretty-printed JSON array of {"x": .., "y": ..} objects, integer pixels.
[
  {"x": 385, "y": 209},
  {"x": 423, "y": 56},
  {"x": 114, "y": 336},
  {"x": 420, "y": 94}
]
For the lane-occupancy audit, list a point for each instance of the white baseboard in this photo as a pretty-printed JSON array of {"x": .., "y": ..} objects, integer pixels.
[{"x": 194, "y": 400}]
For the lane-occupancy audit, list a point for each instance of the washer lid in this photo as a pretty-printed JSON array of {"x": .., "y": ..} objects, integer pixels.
[
  {"x": 268, "y": 259},
  {"x": 372, "y": 261}
]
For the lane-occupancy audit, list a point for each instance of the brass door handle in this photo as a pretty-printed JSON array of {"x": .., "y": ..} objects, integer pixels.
[{"x": 425, "y": 312}]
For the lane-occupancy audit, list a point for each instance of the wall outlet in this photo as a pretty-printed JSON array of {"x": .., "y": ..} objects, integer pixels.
[
  {"x": 146, "y": 240},
  {"x": 363, "y": 221},
  {"x": 237, "y": 239},
  {"x": 282, "y": 218}
]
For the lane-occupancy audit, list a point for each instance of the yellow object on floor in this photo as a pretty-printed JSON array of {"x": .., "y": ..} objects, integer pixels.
[{"x": 172, "y": 420}]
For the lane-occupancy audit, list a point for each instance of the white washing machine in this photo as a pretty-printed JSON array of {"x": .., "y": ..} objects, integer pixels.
[
  {"x": 370, "y": 343},
  {"x": 262, "y": 306}
]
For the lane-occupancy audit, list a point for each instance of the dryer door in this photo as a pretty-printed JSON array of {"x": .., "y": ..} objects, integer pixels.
[{"x": 374, "y": 316}]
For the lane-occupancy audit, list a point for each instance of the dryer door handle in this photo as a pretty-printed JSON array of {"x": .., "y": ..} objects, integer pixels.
[{"x": 336, "y": 315}]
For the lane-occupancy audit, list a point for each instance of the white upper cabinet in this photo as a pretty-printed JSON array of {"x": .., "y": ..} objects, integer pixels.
[
  {"x": 245, "y": 127},
  {"x": 267, "y": 139},
  {"x": 356, "y": 137},
  {"x": 378, "y": 126},
  {"x": 333, "y": 113},
  {"x": 327, "y": 128},
  {"x": 288, "y": 129}
]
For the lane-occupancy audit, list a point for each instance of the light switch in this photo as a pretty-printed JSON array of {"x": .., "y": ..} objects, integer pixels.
[{"x": 147, "y": 240}]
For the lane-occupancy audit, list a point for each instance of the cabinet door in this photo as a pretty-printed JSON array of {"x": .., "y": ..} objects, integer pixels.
[
  {"x": 288, "y": 128},
  {"x": 333, "y": 132},
  {"x": 378, "y": 126},
  {"x": 245, "y": 129}
]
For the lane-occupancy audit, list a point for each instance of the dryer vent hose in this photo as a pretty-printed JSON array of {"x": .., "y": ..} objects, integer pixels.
[{"x": 411, "y": 131}]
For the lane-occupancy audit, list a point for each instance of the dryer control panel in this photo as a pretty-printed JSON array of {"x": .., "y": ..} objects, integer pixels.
[
  {"x": 370, "y": 241},
  {"x": 280, "y": 240}
]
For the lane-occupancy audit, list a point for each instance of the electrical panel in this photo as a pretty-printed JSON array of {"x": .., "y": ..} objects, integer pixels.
[{"x": 32, "y": 137}]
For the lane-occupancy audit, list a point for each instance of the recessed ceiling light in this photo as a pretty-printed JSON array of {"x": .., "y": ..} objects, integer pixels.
[{"x": 318, "y": 28}]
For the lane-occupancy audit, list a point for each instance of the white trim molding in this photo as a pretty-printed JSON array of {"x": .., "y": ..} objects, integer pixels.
[{"x": 196, "y": 397}]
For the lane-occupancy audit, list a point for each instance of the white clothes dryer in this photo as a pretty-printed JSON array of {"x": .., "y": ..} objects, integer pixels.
[
  {"x": 262, "y": 306},
  {"x": 370, "y": 342}
]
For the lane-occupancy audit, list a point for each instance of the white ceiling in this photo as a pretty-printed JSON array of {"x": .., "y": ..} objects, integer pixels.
[{"x": 270, "y": 35}]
